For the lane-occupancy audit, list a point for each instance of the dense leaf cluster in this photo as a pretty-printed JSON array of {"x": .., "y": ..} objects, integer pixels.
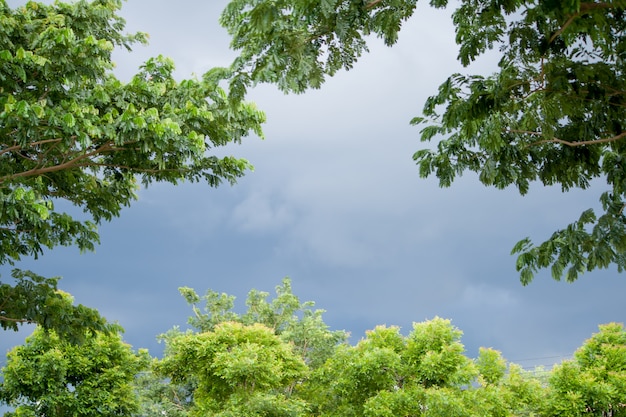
[
  {"x": 240, "y": 365},
  {"x": 293, "y": 321},
  {"x": 253, "y": 362},
  {"x": 48, "y": 376},
  {"x": 35, "y": 300}
]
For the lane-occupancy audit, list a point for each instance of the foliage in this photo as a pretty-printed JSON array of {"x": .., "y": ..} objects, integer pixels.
[
  {"x": 491, "y": 366},
  {"x": 594, "y": 382},
  {"x": 248, "y": 364},
  {"x": 74, "y": 132},
  {"x": 424, "y": 373},
  {"x": 35, "y": 299},
  {"x": 553, "y": 112},
  {"x": 297, "y": 326},
  {"x": 239, "y": 370},
  {"x": 73, "y": 135},
  {"x": 295, "y": 322},
  {"x": 386, "y": 370},
  {"x": 296, "y": 43},
  {"x": 52, "y": 377},
  {"x": 158, "y": 398}
]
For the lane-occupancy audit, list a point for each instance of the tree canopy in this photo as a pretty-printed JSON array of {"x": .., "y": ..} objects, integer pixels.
[
  {"x": 272, "y": 360},
  {"x": 50, "y": 376},
  {"x": 249, "y": 364},
  {"x": 594, "y": 381},
  {"x": 74, "y": 137},
  {"x": 240, "y": 364},
  {"x": 553, "y": 112},
  {"x": 239, "y": 370}
]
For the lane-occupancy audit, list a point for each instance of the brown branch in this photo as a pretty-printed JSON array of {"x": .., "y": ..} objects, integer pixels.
[
  {"x": 54, "y": 168},
  {"x": 585, "y": 7},
  {"x": 10, "y": 149},
  {"x": 78, "y": 162},
  {"x": 43, "y": 142},
  {"x": 566, "y": 142},
  {"x": 562, "y": 28},
  {"x": 33, "y": 144},
  {"x": 372, "y": 4},
  {"x": 65, "y": 165},
  {"x": 26, "y": 321}
]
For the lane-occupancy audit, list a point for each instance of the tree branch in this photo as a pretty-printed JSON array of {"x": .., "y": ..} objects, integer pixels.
[
  {"x": 10, "y": 149},
  {"x": 136, "y": 170},
  {"x": 65, "y": 165},
  {"x": 565, "y": 142},
  {"x": 562, "y": 28},
  {"x": 75, "y": 163},
  {"x": 25, "y": 321},
  {"x": 33, "y": 144},
  {"x": 371, "y": 4}
]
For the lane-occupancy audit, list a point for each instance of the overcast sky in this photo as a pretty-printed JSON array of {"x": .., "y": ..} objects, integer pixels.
[{"x": 336, "y": 204}]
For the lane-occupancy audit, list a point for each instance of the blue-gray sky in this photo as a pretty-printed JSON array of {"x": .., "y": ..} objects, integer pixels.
[{"x": 336, "y": 204}]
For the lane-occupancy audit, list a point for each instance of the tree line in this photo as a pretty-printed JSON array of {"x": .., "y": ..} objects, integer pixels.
[{"x": 280, "y": 359}]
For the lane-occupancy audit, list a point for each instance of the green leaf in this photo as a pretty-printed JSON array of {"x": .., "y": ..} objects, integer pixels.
[{"x": 69, "y": 120}]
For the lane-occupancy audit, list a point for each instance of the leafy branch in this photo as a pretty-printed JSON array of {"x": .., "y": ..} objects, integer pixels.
[{"x": 584, "y": 8}]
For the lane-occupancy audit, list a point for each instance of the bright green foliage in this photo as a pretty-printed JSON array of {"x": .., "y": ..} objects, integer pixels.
[
  {"x": 52, "y": 377},
  {"x": 251, "y": 364},
  {"x": 297, "y": 326},
  {"x": 72, "y": 134},
  {"x": 295, "y": 322},
  {"x": 491, "y": 366},
  {"x": 390, "y": 374},
  {"x": 354, "y": 374},
  {"x": 35, "y": 299},
  {"x": 423, "y": 374},
  {"x": 239, "y": 370},
  {"x": 504, "y": 389},
  {"x": 554, "y": 112},
  {"x": 594, "y": 382},
  {"x": 435, "y": 352}
]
